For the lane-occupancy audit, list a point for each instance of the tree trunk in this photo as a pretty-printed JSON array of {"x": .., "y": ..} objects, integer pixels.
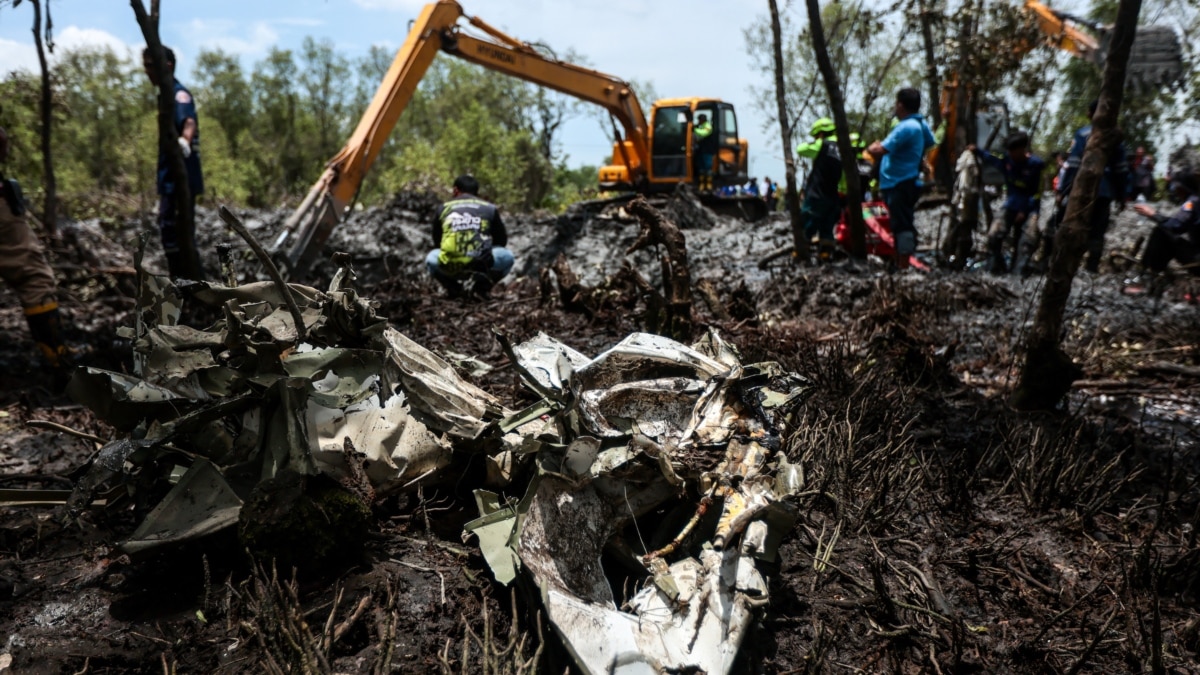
[
  {"x": 50, "y": 208},
  {"x": 931, "y": 70},
  {"x": 943, "y": 170},
  {"x": 960, "y": 132},
  {"x": 858, "y": 229},
  {"x": 168, "y": 143},
  {"x": 791, "y": 195},
  {"x": 1048, "y": 372}
]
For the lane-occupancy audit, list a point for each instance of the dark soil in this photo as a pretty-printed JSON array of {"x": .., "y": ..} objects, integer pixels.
[{"x": 945, "y": 532}]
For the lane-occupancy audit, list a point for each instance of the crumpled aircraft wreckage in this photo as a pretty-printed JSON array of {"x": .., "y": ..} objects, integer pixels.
[{"x": 644, "y": 483}]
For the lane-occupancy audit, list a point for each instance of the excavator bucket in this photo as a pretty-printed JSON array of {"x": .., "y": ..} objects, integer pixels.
[{"x": 1156, "y": 61}]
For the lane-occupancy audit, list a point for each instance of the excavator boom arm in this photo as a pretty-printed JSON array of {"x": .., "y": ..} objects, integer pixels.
[
  {"x": 614, "y": 95},
  {"x": 437, "y": 29},
  {"x": 1061, "y": 34}
]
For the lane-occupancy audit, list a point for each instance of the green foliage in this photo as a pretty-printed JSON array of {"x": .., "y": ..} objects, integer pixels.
[
  {"x": 464, "y": 119},
  {"x": 104, "y": 141},
  {"x": 227, "y": 98},
  {"x": 267, "y": 131},
  {"x": 869, "y": 55}
]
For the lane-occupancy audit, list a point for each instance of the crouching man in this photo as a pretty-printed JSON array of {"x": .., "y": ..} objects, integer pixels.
[
  {"x": 1175, "y": 237},
  {"x": 469, "y": 238}
]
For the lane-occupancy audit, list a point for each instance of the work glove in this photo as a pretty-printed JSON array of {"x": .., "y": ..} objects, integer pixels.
[{"x": 185, "y": 147}]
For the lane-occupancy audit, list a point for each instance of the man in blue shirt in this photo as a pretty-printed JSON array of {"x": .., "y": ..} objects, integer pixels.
[
  {"x": 188, "y": 136},
  {"x": 1023, "y": 183},
  {"x": 900, "y": 156},
  {"x": 1112, "y": 188}
]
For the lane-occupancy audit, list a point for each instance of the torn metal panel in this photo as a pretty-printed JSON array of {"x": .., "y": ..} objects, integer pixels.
[
  {"x": 201, "y": 503},
  {"x": 644, "y": 356},
  {"x": 473, "y": 366},
  {"x": 496, "y": 530},
  {"x": 398, "y": 449},
  {"x": 698, "y": 627},
  {"x": 121, "y": 400},
  {"x": 287, "y": 441},
  {"x": 447, "y": 402},
  {"x": 215, "y": 295},
  {"x": 661, "y": 408},
  {"x": 548, "y": 363},
  {"x": 645, "y": 422},
  {"x": 715, "y": 347}
]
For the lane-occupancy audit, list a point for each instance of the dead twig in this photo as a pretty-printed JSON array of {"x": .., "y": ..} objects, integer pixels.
[
  {"x": 1079, "y": 664},
  {"x": 55, "y": 426},
  {"x": 429, "y": 570}
]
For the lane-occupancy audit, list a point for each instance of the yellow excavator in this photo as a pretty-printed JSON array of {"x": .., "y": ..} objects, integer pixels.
[
  {"x": 649, "y": 158},
  {"x": 1155, "y": 62}
]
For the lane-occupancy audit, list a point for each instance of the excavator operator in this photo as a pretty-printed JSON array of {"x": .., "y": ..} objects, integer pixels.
[
  {"x": 468, "y": 237},
  {"x": 705, "y": 152}
]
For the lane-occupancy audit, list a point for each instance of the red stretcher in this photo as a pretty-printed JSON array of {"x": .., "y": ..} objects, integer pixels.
[{"x": 878, "y": 235}]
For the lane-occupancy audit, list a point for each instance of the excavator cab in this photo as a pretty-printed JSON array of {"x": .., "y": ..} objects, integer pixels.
[{"x": 675, "y": 152}]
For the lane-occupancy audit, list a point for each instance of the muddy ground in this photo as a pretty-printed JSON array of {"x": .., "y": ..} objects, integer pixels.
[{"x": 949, "y": 534}]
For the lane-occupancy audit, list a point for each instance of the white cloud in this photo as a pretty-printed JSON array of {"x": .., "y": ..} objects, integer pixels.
[
  {"x": 74, "y": 37},
  {"x": 18, "y": 55},
  {"x": 300, "y": 21},
  {"x": 22, "y": 55},
  {"x": 237, "y": 38}
]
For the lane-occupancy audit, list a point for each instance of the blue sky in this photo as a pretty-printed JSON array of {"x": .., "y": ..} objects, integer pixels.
[{"x": 684, "y": 47}]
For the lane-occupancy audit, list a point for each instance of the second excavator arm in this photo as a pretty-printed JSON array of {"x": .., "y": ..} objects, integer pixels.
[{"x": 437, "y": 29}]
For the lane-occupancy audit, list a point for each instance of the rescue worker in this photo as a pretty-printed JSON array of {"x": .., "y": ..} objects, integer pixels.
[
  {"x": 468, "y": 237},
  {"x": 1022, "y": 205},
  {"x": 1112, "y": 188},
  {"x": 822, "y": 205},
  {"x": 706, "y": 152},
  {"x": 24, "y": 268},
  {"x": 1173, "y": 238},
  {"x": 1143, "y": 180},
  {"x": 899, "y": 157},
  {"x": 187, "y": 129},
  {"x": 770, "y": 194}
]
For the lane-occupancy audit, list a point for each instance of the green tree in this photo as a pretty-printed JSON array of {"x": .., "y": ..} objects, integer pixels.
[
  {"x": 224, "y": 93},
  {"x": 110, "y": 143},
  {"x": 872, "y": 53},
  {"x": 280, "y": 164},
  {"x": 323, "y": 73}
]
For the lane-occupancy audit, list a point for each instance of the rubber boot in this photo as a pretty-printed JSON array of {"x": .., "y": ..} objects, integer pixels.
[
  {"x": 995, "y": 248},
  {"x": 47, "y": 332},
  {"x": 1095, "y": 249},
  {"x": 826, "y": 249},
  {"x": 481, "y": 286},
  {"x": 454, "y": 288}
]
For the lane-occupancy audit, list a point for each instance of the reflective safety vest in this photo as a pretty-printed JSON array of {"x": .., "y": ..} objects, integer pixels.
[
  {"x": 703, "y": 130},
  {"x": 466, "y": 231}
]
